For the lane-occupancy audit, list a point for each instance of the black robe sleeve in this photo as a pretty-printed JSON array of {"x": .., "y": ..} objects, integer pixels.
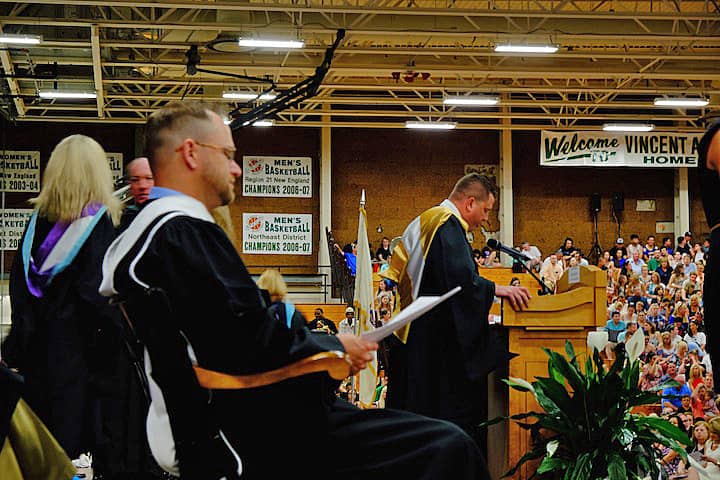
[
  {"x": 451, "y": 258},
  {"x": 216, "y": 303}
]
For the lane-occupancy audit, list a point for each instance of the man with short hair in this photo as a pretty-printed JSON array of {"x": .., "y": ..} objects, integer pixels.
[
  {"x": 636, "y": 263},
  {"x": 322, "y": 323},
  {"x": 140, "y": 179},
  {"x": 193, "y": 301},
  {"x": 667, "y": 245},
  {"x": 650, "y": 247},
  {"x": 439, "y": 363},
  {"x": 635, "y": 246},
  {"x": 347, "y": 324},
  {"x": 619, "y": 245},
  {"x": 682, "y": 245}
]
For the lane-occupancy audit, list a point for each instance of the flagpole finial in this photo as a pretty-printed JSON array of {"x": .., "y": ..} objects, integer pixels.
[{"x": 362, "y": 198}]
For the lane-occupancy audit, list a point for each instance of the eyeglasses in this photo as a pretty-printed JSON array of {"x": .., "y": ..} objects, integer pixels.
[{"x": 229, "y": 152}]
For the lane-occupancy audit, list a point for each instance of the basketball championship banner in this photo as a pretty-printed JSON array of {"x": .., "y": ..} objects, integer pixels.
[
  {"x": 19, "y": 171},
  {"x": 116, "y": 164},
  {"x": 277, "y": 177},
  {"x": 13, "y": 226},
  {"x": 277, "y": 233},
  {"x": 610, "y": 149}
]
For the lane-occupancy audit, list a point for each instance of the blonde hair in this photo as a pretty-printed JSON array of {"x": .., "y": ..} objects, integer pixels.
[
  {"x": 272, "y": 281},
  {"x": 222, "y": 217},
  {"x": 714, "y": 424},
  {"x": 76, "y": 175}
]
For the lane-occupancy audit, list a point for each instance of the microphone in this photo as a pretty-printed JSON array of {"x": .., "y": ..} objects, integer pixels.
[{"x": 495, "y": 245}]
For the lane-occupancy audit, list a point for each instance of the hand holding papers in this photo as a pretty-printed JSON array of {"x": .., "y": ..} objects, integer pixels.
[{"x": 420, "y": 306}]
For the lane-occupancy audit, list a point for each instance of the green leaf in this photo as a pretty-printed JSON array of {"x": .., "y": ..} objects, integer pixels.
[
  {"x": 616, "y": 468},
  {"x": 549, "y": 464},
  {"x": 531, "y": 455},
  {"x": 569, "y": 349},
  {"x": 665, "y": 428},
  {"x": 582, "y": 468},
  {"x": 571, "y": 373}
]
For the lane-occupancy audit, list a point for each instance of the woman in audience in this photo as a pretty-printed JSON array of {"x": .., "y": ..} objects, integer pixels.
[
  {"x": 676, "y": 279},
  {"x": 671, "y": 462},
  {"x": 708, "y": 466},
  {"x": 664, "y": 270},
  {"x": 652, "y": 284},
  {"x": 622, "y": 285},
  {"x": 698, "y": 401},
  {"x": 284, "y": 312},
  {"x": 651, "y": 374},
  {"x": 695, "y": 377},
  {"x": 681, "y": 357},
  {"x": 694, "y": 307},
  {"x": 667, "y": 349}
]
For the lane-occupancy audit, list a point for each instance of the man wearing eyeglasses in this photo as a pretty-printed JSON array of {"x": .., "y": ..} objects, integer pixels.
[{"x": 189, "y": 293}]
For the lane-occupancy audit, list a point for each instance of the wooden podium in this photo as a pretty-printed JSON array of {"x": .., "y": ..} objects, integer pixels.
[{"x": 577, "y": 309}]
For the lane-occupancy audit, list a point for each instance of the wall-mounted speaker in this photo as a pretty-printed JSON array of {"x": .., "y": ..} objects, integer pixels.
[
  {"x": 618, "y": 201},
  {"x": 595, "y": 203}
]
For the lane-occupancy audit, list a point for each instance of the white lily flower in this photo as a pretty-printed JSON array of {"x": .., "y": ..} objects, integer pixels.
[
  {"x": 523, "y": 383},
  {"x": 635, "y": 346},
  {"x": 597, "y": 340},
  {"x": 551, "y": 447}
]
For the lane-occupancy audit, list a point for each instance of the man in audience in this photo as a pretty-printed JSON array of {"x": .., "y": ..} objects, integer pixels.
[
  {"x": 347, "y": 324},
  {"x": 194, "y": 303},
  {"x": 628, "y": 333},
  {"x": 619, "y": 245},
  {"x": 688, "y": 265},
  {"x": 635, "y": 246},
  {"x": 682, "y": 245},
  {"x": 553, "y": 270},
  {"x": 322, "y": 323},
  {"x": 667, "y": 245},
  {"x": 654, "y": 315},
  {"x": 534, "y": 253},
  {"x": 448, "y": 352},
  {"x": 636, "y": 263},
  {"x": 650, "y": 248},
  {"x": 693, "y": 335}
]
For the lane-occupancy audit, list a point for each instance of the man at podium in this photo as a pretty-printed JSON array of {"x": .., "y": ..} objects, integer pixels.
[{"x": 438, "y": 364}]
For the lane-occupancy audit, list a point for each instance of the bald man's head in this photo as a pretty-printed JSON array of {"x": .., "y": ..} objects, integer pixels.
[{"x": 140, "y": 178}]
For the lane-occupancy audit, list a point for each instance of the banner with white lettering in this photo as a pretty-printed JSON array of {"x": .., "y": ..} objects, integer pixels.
[
  {"x": 277, "y": 177},
  {"x": 19, "y": 171},
  {"x": 277, "y": 233},
  {"x": 116, "y": 164},
  {"x": 13, "y": 226},
  {"x": 606, "y": 149}
]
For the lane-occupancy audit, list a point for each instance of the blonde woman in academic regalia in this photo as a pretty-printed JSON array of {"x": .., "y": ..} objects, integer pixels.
[{"x": 65, "y": 338}]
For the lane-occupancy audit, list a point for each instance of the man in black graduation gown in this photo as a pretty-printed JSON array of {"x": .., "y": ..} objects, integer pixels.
[
  {"x": 438, "y": 365},
  {"x": 193, "y": 301},
  {"x": 709, "y": 175}
]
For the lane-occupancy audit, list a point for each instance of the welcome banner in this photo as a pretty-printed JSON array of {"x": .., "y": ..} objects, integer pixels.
[{"x": 605, "y": 149}]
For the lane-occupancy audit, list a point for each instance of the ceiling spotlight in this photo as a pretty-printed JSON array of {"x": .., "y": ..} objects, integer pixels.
[
  {"x": 430, "y": 125},
  {"x": 248, "y": 96},
  {"x": 263, "y": 123},
  {"x": 628, "y": 127},
  {"x": 472, "y": 100},
  {"x": 253, "y": 42},
  {"x": 20, "y": 39},
  {"x": 681, "y": 102},
  {"x": 66, "y": 95},
  {"x": 526, "y": 48}
]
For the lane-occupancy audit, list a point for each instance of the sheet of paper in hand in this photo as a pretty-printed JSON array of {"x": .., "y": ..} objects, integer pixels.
[{"x": 420, "y": 306}]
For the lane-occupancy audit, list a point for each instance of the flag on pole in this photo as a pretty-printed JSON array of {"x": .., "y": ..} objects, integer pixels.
[{"x": 365, "y": 306}]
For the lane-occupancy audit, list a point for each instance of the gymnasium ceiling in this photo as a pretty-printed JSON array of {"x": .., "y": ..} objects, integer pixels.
[{"x": 398, "y": 60}]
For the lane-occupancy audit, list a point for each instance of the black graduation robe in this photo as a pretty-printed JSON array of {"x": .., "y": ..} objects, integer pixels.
[
  {"x": 209, "y": 296},
  {"x": 709, "y": 188},
  {"x": 67, "y": 345},
  {"x": 441, "y": 370}
]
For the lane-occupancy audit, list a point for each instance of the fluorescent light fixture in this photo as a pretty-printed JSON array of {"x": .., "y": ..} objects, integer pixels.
[
  {"x": 20, "y": 39},
  {"x": 263, "y": 123},
  {"x": 253, "y": 42},
  {"x": 472, "y": 100},
  {"x": 248, "y": 96},
  {"x": 628, "y": 127},
  {"x": 430, "y": 125},
  {"x": 526, "y": 48},
  {"x": 68, "y": 95},
  {"x": 681, "y": 102}
]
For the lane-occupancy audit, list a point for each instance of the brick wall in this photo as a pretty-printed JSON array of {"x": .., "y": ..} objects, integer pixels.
[{"x": 403, "y": 173}]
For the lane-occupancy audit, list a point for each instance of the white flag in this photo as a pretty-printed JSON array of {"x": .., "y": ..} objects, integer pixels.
[{"x": 365, "y": 307}]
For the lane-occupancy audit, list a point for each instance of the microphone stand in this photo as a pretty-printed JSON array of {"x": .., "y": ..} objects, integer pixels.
[{"x": 545, "y": 289}]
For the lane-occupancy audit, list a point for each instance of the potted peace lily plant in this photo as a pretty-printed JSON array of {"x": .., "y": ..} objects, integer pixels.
[{"x": 587, "y": 430}]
